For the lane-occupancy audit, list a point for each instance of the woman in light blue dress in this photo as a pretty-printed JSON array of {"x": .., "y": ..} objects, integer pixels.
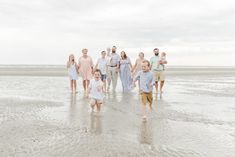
[{"x": 125, "y": 72}]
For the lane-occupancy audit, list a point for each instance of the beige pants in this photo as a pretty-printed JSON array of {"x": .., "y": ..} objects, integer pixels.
[{"x": 112, "y": 76}]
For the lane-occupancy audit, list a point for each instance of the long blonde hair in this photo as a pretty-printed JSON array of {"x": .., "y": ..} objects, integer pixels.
[{"x": 70, "y": 58}]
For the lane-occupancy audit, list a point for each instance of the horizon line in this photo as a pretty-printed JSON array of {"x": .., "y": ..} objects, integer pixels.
[{"x": 167, "y": 65}]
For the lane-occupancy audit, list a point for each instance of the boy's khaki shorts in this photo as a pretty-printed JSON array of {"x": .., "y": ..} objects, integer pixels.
[
  {"x": 147, "y": 98},
  {"x": 159, "y": 75}
]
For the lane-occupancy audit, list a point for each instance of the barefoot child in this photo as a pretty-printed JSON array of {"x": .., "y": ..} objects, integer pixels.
[
  {"x": 146, "y": 86},
  {"x": 96, "y": 91},
  {"x": 102, "y": 66},
  {"x": 73, "y": 72}
]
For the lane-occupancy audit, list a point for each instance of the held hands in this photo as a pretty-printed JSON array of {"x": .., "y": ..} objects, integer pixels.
[
  {"x": 133, "y": 85},
  {"x": 99, "y": 88},
  {"x": 87, "y": 94},
  {"x": 162, "y": 62},
  {"x": 117, "y": 70}
]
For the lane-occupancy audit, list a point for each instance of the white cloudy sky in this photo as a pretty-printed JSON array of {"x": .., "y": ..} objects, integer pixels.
[{"x": 192, "y": 32}]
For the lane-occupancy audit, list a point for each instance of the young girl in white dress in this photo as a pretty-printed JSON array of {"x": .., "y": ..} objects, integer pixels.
[
  {"x": 96, "y": 91},
  {"x": 72, "y": 72}
]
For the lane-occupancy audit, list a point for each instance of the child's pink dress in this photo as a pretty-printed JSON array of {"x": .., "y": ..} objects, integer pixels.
[{"x": 85, "y": 67}]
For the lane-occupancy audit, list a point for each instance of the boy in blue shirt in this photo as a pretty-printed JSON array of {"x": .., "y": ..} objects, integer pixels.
[{"x": 147, "y": 81}]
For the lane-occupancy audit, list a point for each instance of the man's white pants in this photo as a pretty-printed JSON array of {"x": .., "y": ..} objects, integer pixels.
[{"x": 112, "y": 76}]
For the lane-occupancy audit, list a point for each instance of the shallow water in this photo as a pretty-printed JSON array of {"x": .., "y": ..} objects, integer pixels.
[{"x": 194, "y": 118}]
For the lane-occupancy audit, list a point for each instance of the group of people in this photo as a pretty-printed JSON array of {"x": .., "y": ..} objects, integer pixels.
[{"x": 97, "y": 79}]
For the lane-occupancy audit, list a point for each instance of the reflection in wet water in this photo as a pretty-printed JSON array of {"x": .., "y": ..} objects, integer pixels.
[
  {"x": 72, "y": 108},
  {"x": 146, "y": 133},
  {"x": 192, "y": 119},
  {"x": 95, "y": 123}
]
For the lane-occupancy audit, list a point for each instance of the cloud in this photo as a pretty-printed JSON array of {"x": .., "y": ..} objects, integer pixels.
[{"x": 49, "y": 28}]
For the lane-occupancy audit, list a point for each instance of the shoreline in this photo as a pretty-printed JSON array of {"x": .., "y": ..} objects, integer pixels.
[{"x": 61, "y": 71}]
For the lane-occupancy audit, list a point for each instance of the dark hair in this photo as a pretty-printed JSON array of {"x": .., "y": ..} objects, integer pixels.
[
  {"x": 125, "y": 56},
  {"x": 103, "y": 52},
  {"x": 114, "y": 47},
  {"x": 155, "y": 49},
  {"x": 97, "y": 70}
]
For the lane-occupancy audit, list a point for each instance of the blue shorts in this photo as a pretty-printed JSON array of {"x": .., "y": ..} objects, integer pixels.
[{"x": 103, "y": 77}]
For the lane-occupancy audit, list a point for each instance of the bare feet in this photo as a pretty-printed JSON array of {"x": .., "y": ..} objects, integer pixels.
[{"x": 145, "y": 118}]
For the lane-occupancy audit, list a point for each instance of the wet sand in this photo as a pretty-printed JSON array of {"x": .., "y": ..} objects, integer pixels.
[
  {"x": 39, "y": 117},
  {"x": 61, "y": 71}
]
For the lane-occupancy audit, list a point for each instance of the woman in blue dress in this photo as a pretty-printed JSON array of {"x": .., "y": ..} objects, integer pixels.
[{"x": 125, "y": 72}]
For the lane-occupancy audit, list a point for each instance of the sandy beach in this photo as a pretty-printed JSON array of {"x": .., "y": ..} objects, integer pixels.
[{"x": 40, "y": 118}]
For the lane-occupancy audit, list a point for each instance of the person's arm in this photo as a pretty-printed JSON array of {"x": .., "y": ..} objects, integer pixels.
[
  {"x": 164, "y": 62},
  {"x": 76, "y": 66},
  {"x": 96, "y": 65},
  {"x": 118, "y": 63},
  {"x": 103, "y": 88},
  {"x": 133, "y": 69},
  {"x": 130, "y": 63},
  {"x": 118, "y": 67},
  {"x": 92, "y": 65},
  {"x": 106, "y": 67},
  {"x": 137, "y": 77},
  {"x": 153, "y": 81},
  {"x": 151, "y": 63},
  {"x": 68, "y": 64}
]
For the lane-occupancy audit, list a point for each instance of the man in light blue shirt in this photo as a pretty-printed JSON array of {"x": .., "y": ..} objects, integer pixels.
[{"x": 157, "y": 67}]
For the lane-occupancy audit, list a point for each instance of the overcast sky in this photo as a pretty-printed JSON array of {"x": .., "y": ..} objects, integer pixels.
[{"x": 192, "y": 32}]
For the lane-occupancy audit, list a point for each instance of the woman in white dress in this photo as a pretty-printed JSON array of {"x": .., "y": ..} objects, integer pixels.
[{"x": 73, "y": 73}]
